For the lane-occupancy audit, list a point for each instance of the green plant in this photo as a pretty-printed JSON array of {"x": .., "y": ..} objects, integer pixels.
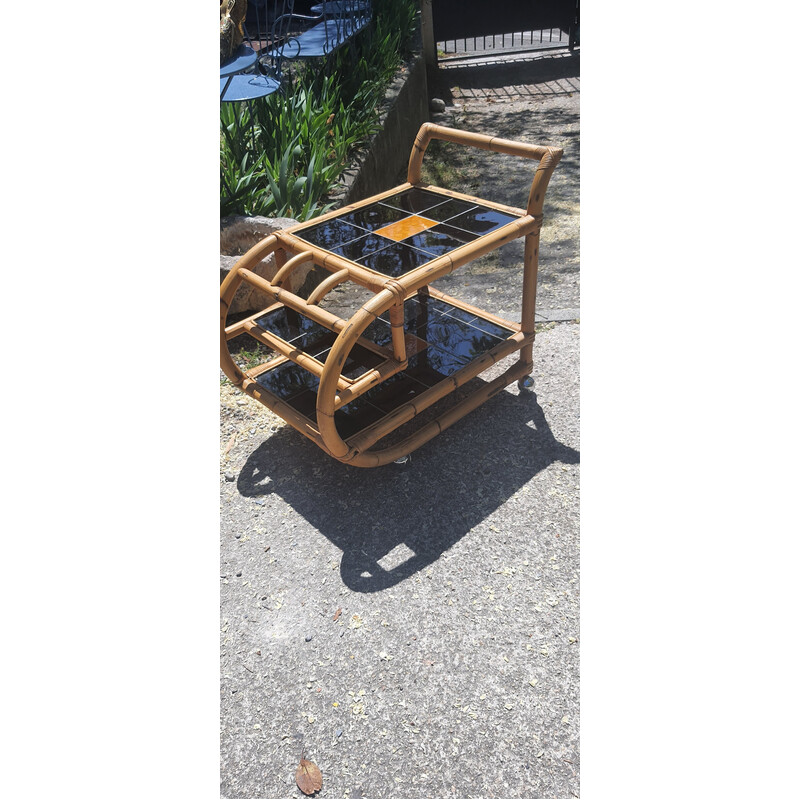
[{"x": 282, "y": 155}]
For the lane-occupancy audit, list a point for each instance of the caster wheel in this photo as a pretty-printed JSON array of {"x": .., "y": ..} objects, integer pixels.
[{"x": 525, "y": 383}]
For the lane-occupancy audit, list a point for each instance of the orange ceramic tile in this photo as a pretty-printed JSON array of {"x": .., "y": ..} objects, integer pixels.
[{"x": 404, "y": 228}]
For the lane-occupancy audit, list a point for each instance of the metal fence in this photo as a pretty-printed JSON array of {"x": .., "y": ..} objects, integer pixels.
[
  {"x": 518, "y": 41},
  {"x": 475, "y": 27}
]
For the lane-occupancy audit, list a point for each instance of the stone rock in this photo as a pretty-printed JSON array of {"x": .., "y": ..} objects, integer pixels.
[
  {"x": 437, "y": 105},
  {"x": 238, "y": 234}
]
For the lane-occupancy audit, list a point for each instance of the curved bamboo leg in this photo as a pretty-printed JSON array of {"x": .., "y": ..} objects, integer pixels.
[
  {"x": 393, "y": 294},
  {"x": 227, "y": 290}
]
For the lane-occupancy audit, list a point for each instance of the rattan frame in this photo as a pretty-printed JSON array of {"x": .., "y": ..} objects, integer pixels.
[{"x": 335, "y": 390}]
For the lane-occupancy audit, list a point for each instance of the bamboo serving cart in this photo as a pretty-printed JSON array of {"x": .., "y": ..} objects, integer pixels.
[{"x": 349, "y": 383}]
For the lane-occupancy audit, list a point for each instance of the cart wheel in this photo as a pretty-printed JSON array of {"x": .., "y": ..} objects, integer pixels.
[{"x": 526, "y": 382}]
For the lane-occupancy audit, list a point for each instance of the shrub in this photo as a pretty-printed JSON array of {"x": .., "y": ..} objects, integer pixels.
[{"x": 283, "y": 154}]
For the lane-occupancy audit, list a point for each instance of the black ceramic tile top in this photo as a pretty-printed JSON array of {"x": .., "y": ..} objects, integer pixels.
[
  {"x": 306, "y": 403},
  {"x": 315, "y": 342},
  {"x": 349, "y": 420},
  {"x": 355, "y": 416},
  {"x": 288, "y": 324},
  {"x": 379, "y": 331},
  {"x": 450, "y": 208},
  {"x": 439, "y": 240},
  {"x": 330, "y": 234},
  {"x": 353, "y": 235},
  {"x": 394, "y": 391},
  {"x": 288, "y": 380},
  {"x": 395, "y": 260},
  {"x": 455, "y": 337},
  {"x": 374, "y": 216},
  {"x": 451, "y": 329},
  {"x": 415, "y": 201},
  {"x": 362, "y": 247},
  {"x": 433, "y": 365},
  {"x": 358, "y": 361},
  {"x": 423, "y": 307},
  {"x": 481, "y": 221},
  {"x": 298, "y": 388},
  {"x": 481, "y": 324}
]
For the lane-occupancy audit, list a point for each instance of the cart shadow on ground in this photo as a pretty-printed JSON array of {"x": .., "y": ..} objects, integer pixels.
[{"x": 391, "y": 522}]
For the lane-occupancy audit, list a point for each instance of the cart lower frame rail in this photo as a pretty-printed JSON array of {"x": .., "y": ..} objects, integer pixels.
[{"x": 349, "y": 383}]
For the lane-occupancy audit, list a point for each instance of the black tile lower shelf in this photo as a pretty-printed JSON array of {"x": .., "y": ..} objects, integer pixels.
[{"x": 451, "y": 339}]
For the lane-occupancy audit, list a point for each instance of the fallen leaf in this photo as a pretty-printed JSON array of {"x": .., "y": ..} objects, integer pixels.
[
  {"x": 308, "y": 777},
  {"x": 337, "y": 614}
]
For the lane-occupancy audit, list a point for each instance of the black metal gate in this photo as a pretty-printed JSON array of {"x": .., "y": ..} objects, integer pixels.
[{"x": 474, "y": 26}]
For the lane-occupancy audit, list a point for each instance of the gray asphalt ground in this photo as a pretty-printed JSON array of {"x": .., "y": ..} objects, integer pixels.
[{"x": 414, "y": 631}]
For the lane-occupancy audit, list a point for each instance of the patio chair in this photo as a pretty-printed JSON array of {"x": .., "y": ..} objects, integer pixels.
[{"x": 255, "y": 69}]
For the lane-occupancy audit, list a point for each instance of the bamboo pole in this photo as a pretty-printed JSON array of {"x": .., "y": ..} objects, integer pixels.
[
  {"x": 541, "y": 179},
  {"x": 326, "y": 392},
  {"x": 529, "y": 281},
  {"x": 397, "y": 322},
  {"x": 392, "y": 294},
  {"x": 281, "y": 258},
  {"x": 430, "y": 131},
  {"x": 327, "y": 285},
  {"x": 284, "y": 272}
]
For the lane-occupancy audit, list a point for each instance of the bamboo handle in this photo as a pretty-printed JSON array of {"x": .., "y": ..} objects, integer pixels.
[{"x": 548, "y": 157}]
